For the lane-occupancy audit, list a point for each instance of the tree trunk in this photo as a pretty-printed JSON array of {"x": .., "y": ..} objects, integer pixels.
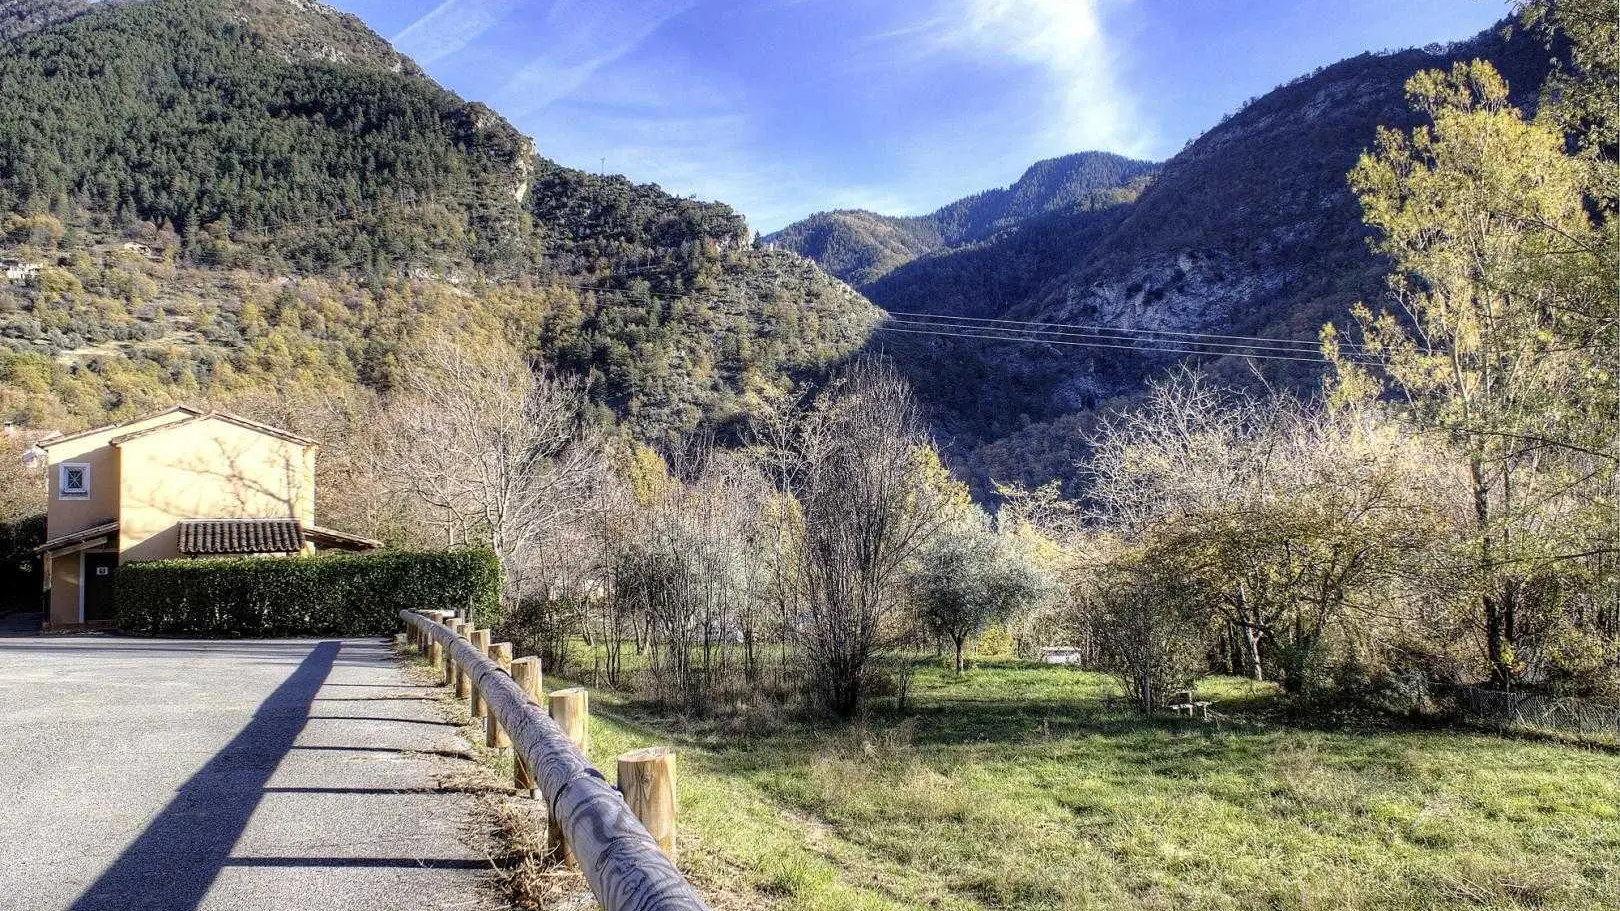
[
  {"x": 1251, "y": 652},
  {"x": 961, "y": 643},
  {"x": 1497, "y": 646}
]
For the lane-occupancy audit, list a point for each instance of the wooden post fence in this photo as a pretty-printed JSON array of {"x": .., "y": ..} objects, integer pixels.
[
  {"x": 464, "y": 684},
  {"x": 647, "y": 781},
  {"x": 494, "y": 735},
  {"x": 627, "y": 867},
  {"x": 571, "y": 710},
  {"x": 526, "y": 673},
  {"x": 480, "y": 641}
]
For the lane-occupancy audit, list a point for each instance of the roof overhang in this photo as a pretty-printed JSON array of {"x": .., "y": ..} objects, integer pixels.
[
  {"x": 243, "y": 537},
  {"x": 94, "y": 536},
  {"x": 332, "y": 539},
  {"x": 58, "y": 439},
  {"x": 222, "y": 416}
]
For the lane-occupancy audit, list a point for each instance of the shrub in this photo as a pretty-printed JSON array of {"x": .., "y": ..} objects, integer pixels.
[
  {"x": 337, "y": 595},
  {"x": 19, "y": 568}
]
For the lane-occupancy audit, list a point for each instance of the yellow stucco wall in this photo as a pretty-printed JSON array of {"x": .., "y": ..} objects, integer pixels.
[
  {"x": 207, "y": 469},
  {"x": 201, "y": 468},
  {"x": 64, "y": 517}
]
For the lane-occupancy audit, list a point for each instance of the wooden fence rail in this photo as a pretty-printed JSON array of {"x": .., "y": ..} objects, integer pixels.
[{"x": 621, "y": 861}]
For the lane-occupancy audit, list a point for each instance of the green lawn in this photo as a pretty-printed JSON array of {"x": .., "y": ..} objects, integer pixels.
[{"x": 1018, "y": 786}]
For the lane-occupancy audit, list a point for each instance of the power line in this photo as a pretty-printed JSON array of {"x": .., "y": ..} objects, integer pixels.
[
  {"x": 1098, "y": 328},
  {"x": 1144, "y": 340},
  {"x": 1256, "y": 354},
  {"x": 1128, "y": 338},
  {"x": 916, "y": 323}
]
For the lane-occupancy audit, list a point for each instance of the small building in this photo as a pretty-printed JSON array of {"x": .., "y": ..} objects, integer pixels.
[{"x": 178, "y": 483}]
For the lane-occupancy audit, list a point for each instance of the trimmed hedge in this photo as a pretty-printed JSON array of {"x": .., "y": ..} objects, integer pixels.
[
  {"x": 19, "y": 567},
  {"x": 336, "y": 595}
]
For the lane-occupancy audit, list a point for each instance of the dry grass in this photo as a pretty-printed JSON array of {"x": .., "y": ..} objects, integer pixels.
[{"x": 1021, "y": 787}]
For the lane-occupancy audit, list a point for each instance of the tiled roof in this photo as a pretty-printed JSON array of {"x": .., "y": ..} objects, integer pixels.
[
  {"x": 105, "y": 528},
  {"x": 205, "y": 537}
]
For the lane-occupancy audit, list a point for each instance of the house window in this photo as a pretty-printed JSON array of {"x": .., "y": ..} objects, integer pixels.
[{"x": 74, "y": 483}]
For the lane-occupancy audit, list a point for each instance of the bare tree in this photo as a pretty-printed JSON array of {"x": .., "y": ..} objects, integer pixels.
[
  {"x": 497, "y": 453},
  {"x": 856, "y": 462}
]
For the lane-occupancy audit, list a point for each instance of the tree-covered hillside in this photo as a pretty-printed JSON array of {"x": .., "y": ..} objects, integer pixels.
[
  {"x": 259, "y": 134},
  {"x": 1251, "y": 230},
  {"x": 861, "y": 247},
  {"x": 18, "y": 17},
  {"x": 204, "y": 196}
]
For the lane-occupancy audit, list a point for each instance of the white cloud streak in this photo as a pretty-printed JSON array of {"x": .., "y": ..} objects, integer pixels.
[
  {"x": 451, "y": 26},
  {"x": 1064, "y": 39},
  {"x": 588, "y": 36}
]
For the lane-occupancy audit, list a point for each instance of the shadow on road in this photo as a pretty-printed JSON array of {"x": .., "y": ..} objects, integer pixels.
[
  {"x": 16, "y": 625},
  {"x": 172, "y": 864}
]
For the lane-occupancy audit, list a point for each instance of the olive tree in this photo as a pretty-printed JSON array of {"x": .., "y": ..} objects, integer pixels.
[{"x": 969, "y": 577}]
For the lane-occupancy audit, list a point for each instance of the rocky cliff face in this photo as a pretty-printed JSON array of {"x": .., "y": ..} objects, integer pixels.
[{"x": 1251, "y": 230}]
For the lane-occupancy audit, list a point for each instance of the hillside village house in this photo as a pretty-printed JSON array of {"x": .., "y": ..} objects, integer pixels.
[{"x": 178, "y": 483}]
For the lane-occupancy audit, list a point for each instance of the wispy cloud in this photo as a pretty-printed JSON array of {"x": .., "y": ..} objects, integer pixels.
[
  {"x": 1065, "y": 40},
  {"x": 589, "y": 35},
  {"x": 451, "y": 26}
]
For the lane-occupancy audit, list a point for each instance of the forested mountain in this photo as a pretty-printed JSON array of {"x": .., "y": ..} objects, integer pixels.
[
  {"x": 207, "y": 197},
  {"x": 861, "y": 247},
  {"x": 1251, "y": 230},
  {"x": 204, "y": 196}
]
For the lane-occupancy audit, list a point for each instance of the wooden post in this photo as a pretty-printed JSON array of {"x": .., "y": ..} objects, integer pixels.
[
  {"x": 647, "y": 781},
  {"x": 452, "y": 670},
  {"x": 526, "y": 671},
  {"x": 494, "y": 736},
  {"x": 463, "y": 682},
  {"x": 441, "y": 653},
  {"x": 480, "y": 641},
  {"x": 427, "y": 643},
  {"x": 571, "y": 709}
]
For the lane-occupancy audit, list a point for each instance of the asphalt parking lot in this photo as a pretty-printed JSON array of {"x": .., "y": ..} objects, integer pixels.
[{"x": 171, "y": 774}]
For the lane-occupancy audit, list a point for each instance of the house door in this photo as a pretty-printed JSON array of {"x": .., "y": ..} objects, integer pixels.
[{"x": 98, "y": 587}]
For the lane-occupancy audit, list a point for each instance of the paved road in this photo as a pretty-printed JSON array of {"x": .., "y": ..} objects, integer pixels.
[{"x": 178, "y": 775}]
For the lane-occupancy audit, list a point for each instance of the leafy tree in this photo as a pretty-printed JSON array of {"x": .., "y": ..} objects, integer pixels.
[
  {"x": 1504, "y": 271},
  {"x": 969, "y": 577}
]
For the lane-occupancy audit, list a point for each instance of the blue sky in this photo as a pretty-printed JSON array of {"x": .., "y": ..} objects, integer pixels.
[{"x": 785, "y": 107}]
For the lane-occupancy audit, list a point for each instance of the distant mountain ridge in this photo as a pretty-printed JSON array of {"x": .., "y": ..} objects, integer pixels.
[
  {"x": 861, "y": 247},
  {"x": 220, "y": 195},
  {"x": 1251, "y": 230}
]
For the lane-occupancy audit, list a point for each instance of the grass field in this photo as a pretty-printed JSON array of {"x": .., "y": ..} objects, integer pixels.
[{"x": 1018, "y": 786}]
